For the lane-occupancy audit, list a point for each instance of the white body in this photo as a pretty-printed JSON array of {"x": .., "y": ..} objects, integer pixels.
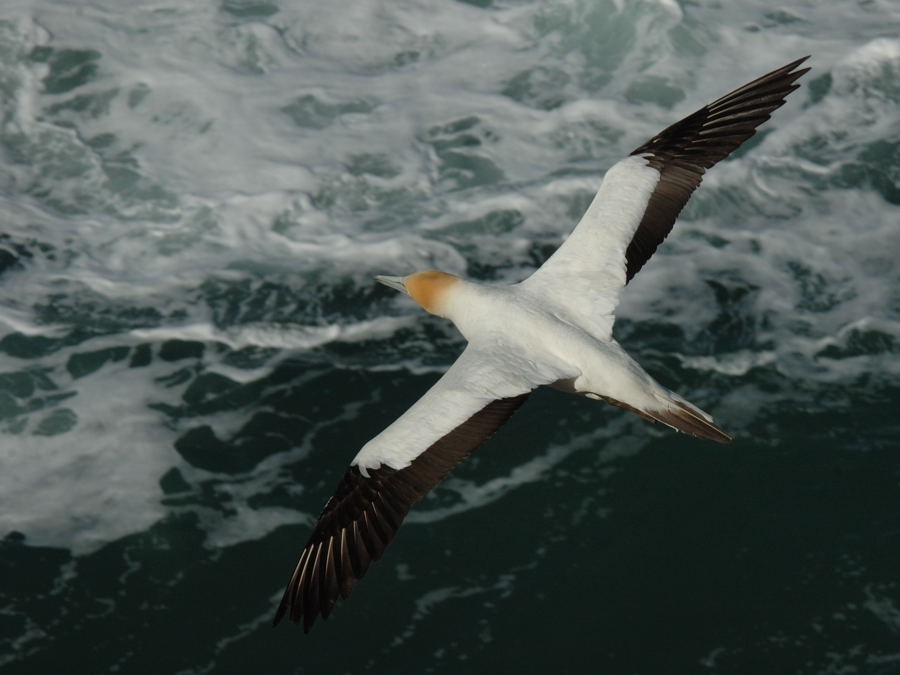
[{"x": 554, "y": 328}]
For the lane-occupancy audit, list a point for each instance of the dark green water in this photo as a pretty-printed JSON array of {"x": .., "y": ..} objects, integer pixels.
[{"x": 624, "y": 555}]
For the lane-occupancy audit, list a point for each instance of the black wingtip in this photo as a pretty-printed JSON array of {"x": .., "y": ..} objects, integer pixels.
[
  {"x": 366, "y": 511},
  {"x": 685, "y": 150},
  {"x": 789, "y": 68}
]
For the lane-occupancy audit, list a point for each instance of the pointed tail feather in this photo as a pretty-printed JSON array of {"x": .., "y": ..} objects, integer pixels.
[
  {"x": 689, "y": 419},
  {"x": 680, "y": 415}
]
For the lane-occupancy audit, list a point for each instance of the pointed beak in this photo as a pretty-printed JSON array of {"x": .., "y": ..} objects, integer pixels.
[{"x": 393, "y": 282}]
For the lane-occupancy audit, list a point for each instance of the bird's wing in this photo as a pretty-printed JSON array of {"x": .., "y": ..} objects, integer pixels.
[
  {"x": 640, "y": 197},
  {"x": 473, "y": 399}
]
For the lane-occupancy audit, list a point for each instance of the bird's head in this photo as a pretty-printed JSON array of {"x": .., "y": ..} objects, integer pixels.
[{"x": 429, "y": 288}]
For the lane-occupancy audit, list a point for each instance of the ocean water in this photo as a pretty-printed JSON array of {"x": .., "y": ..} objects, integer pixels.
[{"x": 194, "y": 198}]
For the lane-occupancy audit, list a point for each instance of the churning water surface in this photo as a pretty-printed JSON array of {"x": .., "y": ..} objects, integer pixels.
[{"x": 194, "y": 198}]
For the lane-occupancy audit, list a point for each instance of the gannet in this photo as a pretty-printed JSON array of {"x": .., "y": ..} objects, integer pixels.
[{"x": 554, "y": 328}]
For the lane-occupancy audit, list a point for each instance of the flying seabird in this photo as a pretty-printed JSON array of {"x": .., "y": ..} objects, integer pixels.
[{"x": 554, "y": 328}]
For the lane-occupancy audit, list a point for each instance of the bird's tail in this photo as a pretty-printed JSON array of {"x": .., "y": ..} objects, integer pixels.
[
  {"x": 688, "y": 418},
  {"x": 679, "y": 414}
]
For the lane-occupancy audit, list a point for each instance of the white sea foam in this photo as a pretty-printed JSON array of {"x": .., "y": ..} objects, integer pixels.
[
  {"x": 325, "y": 143},
  {"x": 95, "y": 482},
  {"x": 281, "y": 336}
]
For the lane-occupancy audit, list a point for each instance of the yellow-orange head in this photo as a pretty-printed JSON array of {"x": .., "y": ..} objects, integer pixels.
[{"x": 428, "y": 288}]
